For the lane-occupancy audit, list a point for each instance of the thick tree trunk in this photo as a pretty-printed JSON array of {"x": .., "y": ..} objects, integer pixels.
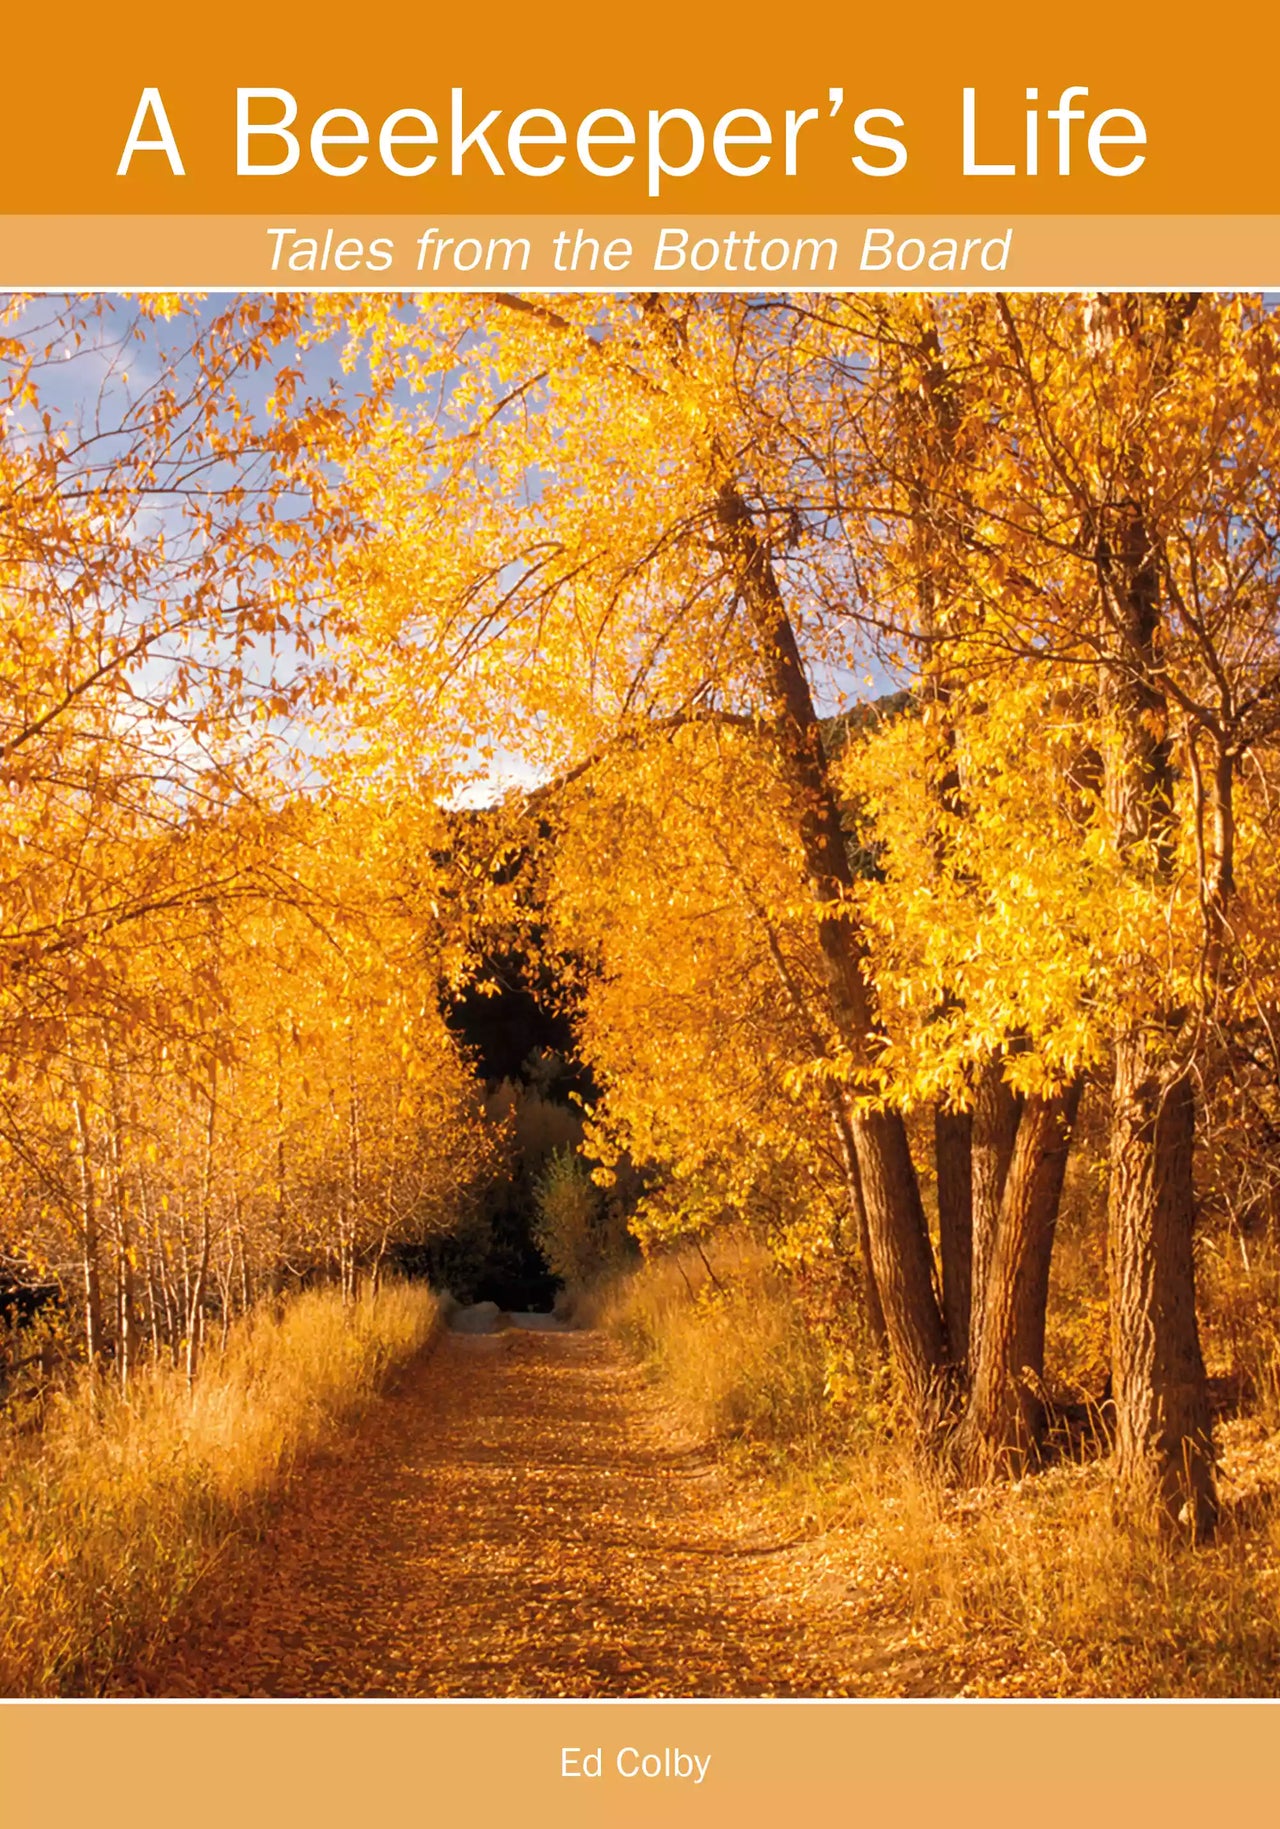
[
  {"x": 902, "y": 1259},
  {"x": 901, "y": 1254},
  {"x": 872, "y": 1311},
  {"x": 872, "y": 1307},
  {"x": 1164, "y": 1447},
  {"x": 996, "y": 1112},
  {"x": 952, "y": 1148},
  {"x": 1004, "y": 1426},
  {"x": 1163, "y": 1424}
]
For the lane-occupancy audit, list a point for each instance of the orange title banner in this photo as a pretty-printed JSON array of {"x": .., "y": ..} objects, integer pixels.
[{"x": 759, "y": 109}]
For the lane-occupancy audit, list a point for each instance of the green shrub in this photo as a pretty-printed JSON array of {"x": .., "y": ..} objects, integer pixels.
[{"x": 580, "y": 1235}]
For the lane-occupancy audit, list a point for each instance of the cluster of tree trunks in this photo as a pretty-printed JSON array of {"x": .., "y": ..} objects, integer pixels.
[{"x": 969, "y": 1344}]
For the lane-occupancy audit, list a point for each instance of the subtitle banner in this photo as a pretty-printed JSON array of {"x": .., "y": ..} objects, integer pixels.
[{"x": 766, "y": 252}]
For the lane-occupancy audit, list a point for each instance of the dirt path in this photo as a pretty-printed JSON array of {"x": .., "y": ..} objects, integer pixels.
[{"x": 521, "y": 1517}]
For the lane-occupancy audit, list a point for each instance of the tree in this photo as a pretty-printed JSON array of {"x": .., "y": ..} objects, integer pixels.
[{"x": 1117, "y": 530}]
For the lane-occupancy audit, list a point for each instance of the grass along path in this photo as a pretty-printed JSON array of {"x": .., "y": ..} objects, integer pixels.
[
  {"x": 116, "y": 1510},
  {"x": 520, "y": 1516}
]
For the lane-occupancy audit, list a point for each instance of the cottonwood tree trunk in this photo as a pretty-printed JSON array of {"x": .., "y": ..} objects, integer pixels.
[
  {"x": 901, "y": 1255},
  {"x": 873, "y": 1311},
  {"x": 1003, "y": 1427},
  {"x": 952, "y": 1150},
  {"x": 996, "y": 1113},
  {"x": 1163, "y": 1446}
]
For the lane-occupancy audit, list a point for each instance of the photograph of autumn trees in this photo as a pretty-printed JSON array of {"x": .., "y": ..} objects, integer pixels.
[{"x": 640, "y": 995}]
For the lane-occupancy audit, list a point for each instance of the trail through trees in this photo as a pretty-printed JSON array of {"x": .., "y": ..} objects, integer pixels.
[{"x": 522, "y": 1518}]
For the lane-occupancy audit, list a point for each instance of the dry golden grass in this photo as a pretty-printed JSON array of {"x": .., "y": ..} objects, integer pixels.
[
  {"x": 1239, "y": 1288},
  {"x": 1034, "y": 1589},
  {"x": 1030, "y": 1589},
  {"x": 112, "y": 1511},
  {"x": 733, "y": 1353}
]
